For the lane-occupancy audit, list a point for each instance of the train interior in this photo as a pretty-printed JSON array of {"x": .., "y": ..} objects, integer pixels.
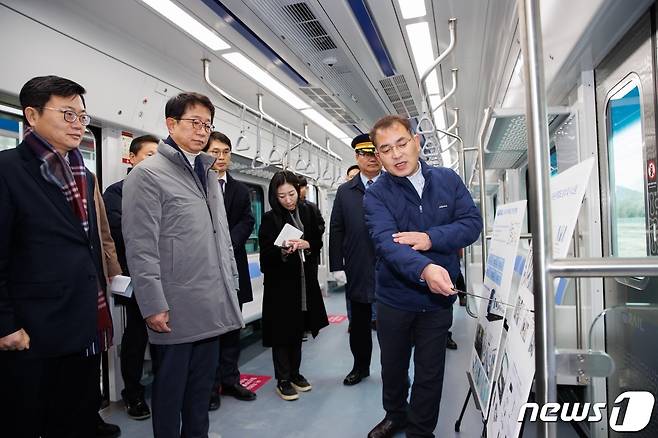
[{"x": 293, "y": 81}]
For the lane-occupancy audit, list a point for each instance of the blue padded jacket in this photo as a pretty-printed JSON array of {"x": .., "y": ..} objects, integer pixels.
[{"x": 445, "y": 212}]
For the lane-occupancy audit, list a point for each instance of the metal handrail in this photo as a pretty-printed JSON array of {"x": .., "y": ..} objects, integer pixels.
[
  {"x": 450, "y": 93},
  {"x": 481, "y": 183},
  {"x": 540, "y": 209},
  {"x": 452, "y": 26},
  {"x": 603, "y": 267},
  {"x": 269, "y": 119}
]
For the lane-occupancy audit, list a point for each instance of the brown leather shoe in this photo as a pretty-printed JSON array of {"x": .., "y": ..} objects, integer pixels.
[{"x": 385, "y": 429}]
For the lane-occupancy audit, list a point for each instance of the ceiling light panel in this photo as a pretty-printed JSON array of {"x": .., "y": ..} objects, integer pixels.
[
  {"x": 265, "y": 79},
  {"x": 187, "y": 23},
  {"x": 412, "y": 8},
  {"x": 325, "y": 124}
]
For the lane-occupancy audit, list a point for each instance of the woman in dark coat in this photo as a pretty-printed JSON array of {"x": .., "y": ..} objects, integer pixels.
[{"x": 292, "y": 300}]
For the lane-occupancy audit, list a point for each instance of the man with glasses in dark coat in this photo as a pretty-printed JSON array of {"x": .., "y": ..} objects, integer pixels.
[{"x": 351, "y": 250}]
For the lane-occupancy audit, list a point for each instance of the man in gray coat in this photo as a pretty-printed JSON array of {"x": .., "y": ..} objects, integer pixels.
[{"x": 177, "y": 236}]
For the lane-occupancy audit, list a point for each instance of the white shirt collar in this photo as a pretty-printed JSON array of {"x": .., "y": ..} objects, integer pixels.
[
  {"x": 190, "y": 156},
  {"x": 364, "y": 179}
]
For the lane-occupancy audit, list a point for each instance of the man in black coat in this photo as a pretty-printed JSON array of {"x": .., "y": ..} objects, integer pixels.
[
  {"x": 351, "y": 250},
  {"x": 54, "y": 318},
  {"x": 241, "y": 223},
  {"x": 135, "y": 337}
]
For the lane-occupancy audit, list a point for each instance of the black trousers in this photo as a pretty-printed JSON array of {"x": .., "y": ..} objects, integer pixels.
[
  {"x": 361, "y": 335},
  {"x": 133, "y": 347},
  {"x": 184, "y": 375},
  {"x": 228, "y": 373},
  {"x": 426, "y": 333},
  {"x": 54, "y": 397},
  {"x": 287, "y": 360}
]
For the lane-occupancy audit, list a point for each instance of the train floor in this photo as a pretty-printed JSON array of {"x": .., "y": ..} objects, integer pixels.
[{"x": 331, "y": 409}]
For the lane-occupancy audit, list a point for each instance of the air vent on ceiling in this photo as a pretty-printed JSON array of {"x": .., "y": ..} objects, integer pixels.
[
  {"x": 398, "y": 93},
  {"x": 310, "y": 26},
  {"x": 327, "y": 103}
]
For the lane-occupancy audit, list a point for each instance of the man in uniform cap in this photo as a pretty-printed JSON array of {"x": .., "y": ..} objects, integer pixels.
[{"x": 351, "y": 250}]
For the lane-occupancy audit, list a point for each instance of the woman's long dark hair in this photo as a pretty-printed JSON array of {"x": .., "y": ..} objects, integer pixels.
[{"x": 280, "y": 178}]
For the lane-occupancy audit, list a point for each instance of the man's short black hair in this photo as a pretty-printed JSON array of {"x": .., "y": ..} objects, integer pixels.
[
  {"x": 302, "y": 181},
  {"x": 351, "y": 168},
  {"x": 137, "y": 143},
  {"x": 37, "y": 91},
  {"x": 177, "y": 105},
  {"x": 220, "y": 137}
]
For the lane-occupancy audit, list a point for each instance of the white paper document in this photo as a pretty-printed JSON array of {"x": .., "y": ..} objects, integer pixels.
[
  {"x": 288, "y": 232},
  {"x": 121, "y": 285}
]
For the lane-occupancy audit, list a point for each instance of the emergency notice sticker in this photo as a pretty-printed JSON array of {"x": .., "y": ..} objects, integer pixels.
[
  {"x": 336, "y": 319},
  {"x": 253, "y": 382}
]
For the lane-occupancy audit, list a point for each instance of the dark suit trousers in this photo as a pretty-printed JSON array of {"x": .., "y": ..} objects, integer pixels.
[
  {"x": 133, "y": 346},
  {"x": 228, "y": 373},
  {"x": 184, "y": 375},
  {"x": 398, "y": 332},
  {"x": 49, "y": 397},
  {"x": 361, "y": 335},
  {"x": 287, "y": 360}
]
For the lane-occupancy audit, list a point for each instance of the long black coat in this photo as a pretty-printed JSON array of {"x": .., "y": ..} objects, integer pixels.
[
  {"x": 241, "y": 224},
  {"x": 350, "y": 247},
  {"x": 49, "y": 267},
  {"x": 284, "y": 322}
]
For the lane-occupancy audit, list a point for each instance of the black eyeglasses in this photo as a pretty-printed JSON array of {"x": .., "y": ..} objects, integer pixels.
[
  {"x": 386, "y": 149},
  {"x": 198, "y": 124},
  {"x": 365, "y": 153},
  {"x": 70, "y": 116}
]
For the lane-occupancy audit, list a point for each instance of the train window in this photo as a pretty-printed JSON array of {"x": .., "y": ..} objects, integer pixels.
[
  {"x": 626, "y": 170},
  {"x": 257, "y": 202},
  {"x": 10, "y": 129},
  {"x": 312, "y": 194}
]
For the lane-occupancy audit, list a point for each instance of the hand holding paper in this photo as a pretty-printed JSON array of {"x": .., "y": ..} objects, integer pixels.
[
  {"x": 121, "y": 285},
  {"x": 288, "y": 233}
]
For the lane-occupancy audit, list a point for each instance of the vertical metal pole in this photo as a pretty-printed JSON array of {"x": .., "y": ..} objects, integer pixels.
[
  {"x": 483, "y": 186},
  {"x": 538, "y": 162}
]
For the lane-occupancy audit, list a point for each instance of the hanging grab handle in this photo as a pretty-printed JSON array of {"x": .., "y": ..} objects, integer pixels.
[
  {"x": 257, "y": 157},
  {"x": 276, "y": 156},
  {"x": 239, "y": 147}
]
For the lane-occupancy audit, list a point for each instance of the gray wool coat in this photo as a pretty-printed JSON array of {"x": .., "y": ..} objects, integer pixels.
[{"x": 178, "y": 248}]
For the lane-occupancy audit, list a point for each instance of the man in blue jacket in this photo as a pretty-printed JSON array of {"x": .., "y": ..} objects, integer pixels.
[{"x": 418, "y": 217}]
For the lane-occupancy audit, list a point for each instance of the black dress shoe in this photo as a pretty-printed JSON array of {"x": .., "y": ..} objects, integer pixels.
[
  {"x": 106, "y": 430},
  {"x": 355, "y": 377},
  {"x": 385, "y": 429},
  {"x": 137, "y": 409},
  {"x": 238, "y": 391},
  {"x": 215, "y": 402},
  {"x": 451, "y": 345}
]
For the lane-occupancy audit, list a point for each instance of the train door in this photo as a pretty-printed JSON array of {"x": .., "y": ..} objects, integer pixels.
[{"x": 626, "y": 97}]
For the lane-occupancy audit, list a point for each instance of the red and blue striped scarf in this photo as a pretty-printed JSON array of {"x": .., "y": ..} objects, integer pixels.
[{"x": 71, "y": 178}]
